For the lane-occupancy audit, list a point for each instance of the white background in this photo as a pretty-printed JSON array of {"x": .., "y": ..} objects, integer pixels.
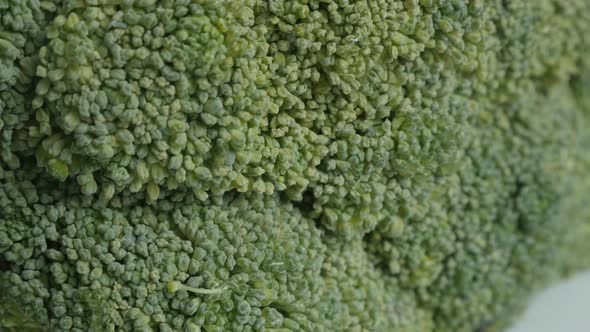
[{"x": 565, "y": 307}]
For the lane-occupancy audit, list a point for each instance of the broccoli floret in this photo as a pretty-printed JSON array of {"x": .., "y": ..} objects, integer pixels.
[
  {"x": 22, "y": 30},
  {"x": 333, "y": 165},
  {"x": 127, "y": 266},
  {"x": 169, "y": 94}
]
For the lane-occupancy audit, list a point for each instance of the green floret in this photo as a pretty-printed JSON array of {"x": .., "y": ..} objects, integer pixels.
[
  {"x": 128, "y": 266},
  {"x": 22, "y": 24},
  {"x": 175, "y": 86},
  {"x": 308, "y": 165}
]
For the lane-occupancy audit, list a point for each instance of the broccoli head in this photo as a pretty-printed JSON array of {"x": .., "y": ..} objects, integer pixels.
[{"x": 309, "y": 165}]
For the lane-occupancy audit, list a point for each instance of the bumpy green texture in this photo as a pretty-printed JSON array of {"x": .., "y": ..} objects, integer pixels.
[{"x": 308, "y": 165}]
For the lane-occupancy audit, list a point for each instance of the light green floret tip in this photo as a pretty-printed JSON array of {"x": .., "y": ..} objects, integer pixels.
[{"x": 58, "y": 169}]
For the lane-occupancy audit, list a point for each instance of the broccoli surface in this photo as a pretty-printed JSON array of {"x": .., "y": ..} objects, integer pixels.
[{"x": 308, "y": 165}]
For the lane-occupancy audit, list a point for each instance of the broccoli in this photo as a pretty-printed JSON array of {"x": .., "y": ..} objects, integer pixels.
[{"x": 308, "y": 165}]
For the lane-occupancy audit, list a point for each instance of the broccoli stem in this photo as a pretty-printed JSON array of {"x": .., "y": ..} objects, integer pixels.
[{"x": 174, "y": 286}]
